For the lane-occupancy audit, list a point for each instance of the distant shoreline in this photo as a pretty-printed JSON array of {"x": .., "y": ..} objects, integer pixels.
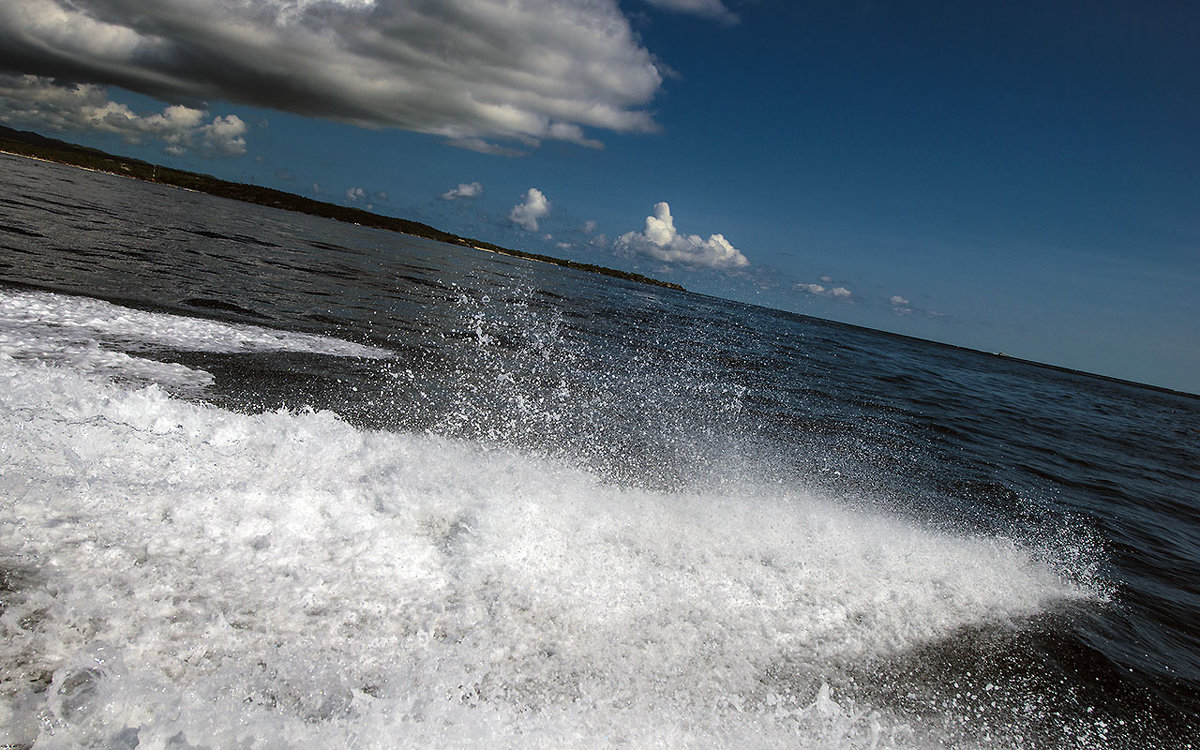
[{"x": 33, "y": 146}]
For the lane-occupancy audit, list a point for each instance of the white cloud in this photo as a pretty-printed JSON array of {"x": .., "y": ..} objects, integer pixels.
[
  {"x": 708, "y": 8},
  {"x": 224, "y": 135},
  {"x": 661, "y": 241},
  {"x": 464, "y": 190},
  {"x": 40, "y": 102},
  {"x": 526, "y": 214},
  {"x": 902, "y": 306},
  {"x": 589, "y": 226},
  {"x": 564, "y": 131},
  {"x": 468, "y": 70},
  {"x": 481, "y": 146},
  {"x": 820, "y": 290},
  {"x": 368, "y": 198}
]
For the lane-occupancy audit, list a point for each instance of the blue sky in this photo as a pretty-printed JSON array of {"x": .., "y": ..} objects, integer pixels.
[{"x": 1018, "y": 177}]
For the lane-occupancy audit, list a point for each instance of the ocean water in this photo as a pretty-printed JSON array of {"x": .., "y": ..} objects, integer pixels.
[{"x": 274, "y": 481}]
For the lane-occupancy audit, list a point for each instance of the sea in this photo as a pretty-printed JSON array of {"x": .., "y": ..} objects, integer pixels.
[{"x": 272, "y": 481}]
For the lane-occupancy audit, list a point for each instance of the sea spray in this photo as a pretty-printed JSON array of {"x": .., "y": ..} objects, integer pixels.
[{"x": 211, "y": 576}]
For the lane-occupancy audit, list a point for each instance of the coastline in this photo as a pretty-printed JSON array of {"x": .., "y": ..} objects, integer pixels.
[{"x": 38, "y": 147}]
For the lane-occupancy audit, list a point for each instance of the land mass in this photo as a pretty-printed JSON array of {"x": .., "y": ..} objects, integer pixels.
[{"x": 25, "y": 143}]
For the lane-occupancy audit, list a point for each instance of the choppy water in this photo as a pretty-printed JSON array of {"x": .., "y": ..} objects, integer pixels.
[{"x": 271, "y": 481}]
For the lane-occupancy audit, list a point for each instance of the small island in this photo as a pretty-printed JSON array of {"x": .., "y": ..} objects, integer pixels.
[{"x": 24, "y": 143}]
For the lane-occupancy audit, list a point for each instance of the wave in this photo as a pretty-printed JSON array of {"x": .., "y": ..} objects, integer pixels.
[
  {"x": 99, "y": 337},
  {"x": 178, "y": 574}
]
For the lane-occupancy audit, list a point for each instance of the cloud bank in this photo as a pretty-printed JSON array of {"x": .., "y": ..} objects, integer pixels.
[
  {"x": 661, "y": 241},
  {"x": 467, "y": 70},
  {"x": 534, "y": 207},
  {"x": 37, "y": 101},
  {"x": 464, "y": 190}
]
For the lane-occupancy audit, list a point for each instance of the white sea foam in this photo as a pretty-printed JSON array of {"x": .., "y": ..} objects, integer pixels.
[
  {"x": 100, "y": 337},
  {"x": 185, "y": 576}
]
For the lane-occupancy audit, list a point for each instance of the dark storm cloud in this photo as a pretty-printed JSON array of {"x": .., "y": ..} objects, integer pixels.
[{"x": 468, "y": 70}]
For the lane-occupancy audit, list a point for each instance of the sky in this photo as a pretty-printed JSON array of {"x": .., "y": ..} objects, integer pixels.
[{"x": 1010, "y": 177}]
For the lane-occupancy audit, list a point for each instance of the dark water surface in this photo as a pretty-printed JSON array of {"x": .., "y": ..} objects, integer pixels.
[{"x": 552, "y": 508}]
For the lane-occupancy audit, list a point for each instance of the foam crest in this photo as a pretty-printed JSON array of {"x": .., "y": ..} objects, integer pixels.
[
  {"x": 79, "y": 330},
  {"x": 189, "y": 576}
]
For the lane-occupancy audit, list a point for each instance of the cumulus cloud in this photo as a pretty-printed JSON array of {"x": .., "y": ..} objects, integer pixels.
[
  {"x": 820, "y": 290},
  {"x": 902, "y": 306},
  {"x": 224, "y": 135},
  {"x": 36, "y": 101},
  {"x": 526, "y": 214},
  {"x": 708, "y": 8},
  {"x": 661, "y": 241},
  {"x": 367, "y": 197},
  {"x": 464, "y": 190},
  {"x": 467, "y": 70}
]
